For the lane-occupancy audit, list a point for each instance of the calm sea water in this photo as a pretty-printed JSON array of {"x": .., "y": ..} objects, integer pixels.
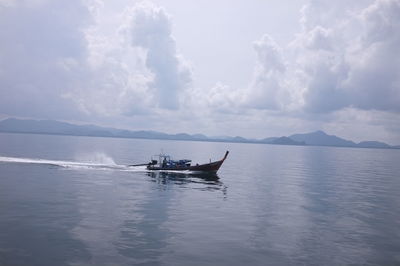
[{"x": 71, "y": 201}]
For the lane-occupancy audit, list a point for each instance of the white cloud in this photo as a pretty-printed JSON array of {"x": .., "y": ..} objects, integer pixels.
[
  {"x": 374, "y": 81},
  {"x": 267, "y": 86},
  {"x": 135, "y": 69},
  {"x": 337, "y": 61},
  {"x": 57, "y": 62},
  {"x": 361, "y": 70},
  {"x": 150, "y": 29},
  {"x": 341, "y": 62}
]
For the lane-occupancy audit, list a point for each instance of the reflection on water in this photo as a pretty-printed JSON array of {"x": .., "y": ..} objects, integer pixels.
[
  {"x": 33, "y": 229},
  {"x": 142, "y": 235},
  {"x": 184, "y": 177},
  {"x": 206, "y": 181},
  {"x": 125, "y": 218}
]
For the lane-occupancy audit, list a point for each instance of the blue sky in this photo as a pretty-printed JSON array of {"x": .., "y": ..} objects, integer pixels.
[{"x": 249, "y": 68}]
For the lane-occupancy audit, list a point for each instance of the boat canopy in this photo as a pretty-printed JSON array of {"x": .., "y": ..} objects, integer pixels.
[{"x": 166, "y": 161}]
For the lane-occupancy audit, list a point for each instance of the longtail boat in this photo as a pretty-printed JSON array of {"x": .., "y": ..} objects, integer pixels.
[{"x": 166, "y": 163}]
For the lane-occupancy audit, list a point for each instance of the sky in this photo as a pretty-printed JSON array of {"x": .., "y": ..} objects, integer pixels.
[{"x": 255, "y": 69}]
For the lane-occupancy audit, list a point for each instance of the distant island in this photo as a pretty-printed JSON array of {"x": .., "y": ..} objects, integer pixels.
[{"x": 317, "y": 138}]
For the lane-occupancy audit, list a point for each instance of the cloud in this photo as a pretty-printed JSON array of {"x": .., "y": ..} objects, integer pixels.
[
  {"x": 135, "y": 69},
  {"x": 362, "y": 71},
  {"x": 343, "y": 57},
  {"x": 150, "y": 29},
  {"x": 373, "y": 77},
  {"x": 266, "y": 88},
  {"x": 57, "y": 61}
]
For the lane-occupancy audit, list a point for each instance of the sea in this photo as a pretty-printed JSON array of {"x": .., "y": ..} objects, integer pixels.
[{"x": 68, "y": 200}]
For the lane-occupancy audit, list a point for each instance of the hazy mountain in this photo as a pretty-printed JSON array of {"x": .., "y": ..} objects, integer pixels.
[
  {"x": 200, "y": 136},
  {"x": 269, "y": 140},
  {"x": 52, "y": 127},
  {"x": 14, "y": 125},
  {"x": 287, "y": 141},
  {"x": 239, "y": 139},
  {"x": 373, "y": 144},
  {"x": 319, "y": 138},
  {"x": 282, "y": 141}
]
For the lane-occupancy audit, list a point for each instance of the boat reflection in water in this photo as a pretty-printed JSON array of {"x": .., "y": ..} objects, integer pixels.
[{"x": 207, "y": 181}]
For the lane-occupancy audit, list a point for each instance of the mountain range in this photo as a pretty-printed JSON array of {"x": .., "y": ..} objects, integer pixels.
[{"x": 317, "y": 138}]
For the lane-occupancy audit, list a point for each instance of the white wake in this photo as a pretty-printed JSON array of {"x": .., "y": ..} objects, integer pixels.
[{"x": 109, "y": 165}]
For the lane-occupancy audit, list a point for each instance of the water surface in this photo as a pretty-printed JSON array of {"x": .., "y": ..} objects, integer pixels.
[{"x": 72, "y": 201}]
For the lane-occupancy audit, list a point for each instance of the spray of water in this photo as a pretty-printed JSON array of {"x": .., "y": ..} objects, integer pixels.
[
  {"x": 98, "y": 161},
  {"x": 95, "y": 158}
]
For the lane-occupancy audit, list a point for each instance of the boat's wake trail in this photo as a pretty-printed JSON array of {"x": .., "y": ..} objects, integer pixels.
[{"x": 73, "y": 164}]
